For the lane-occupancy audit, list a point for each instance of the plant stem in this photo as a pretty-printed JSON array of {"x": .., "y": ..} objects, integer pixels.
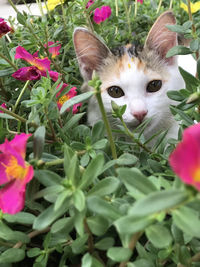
[
  {"x": 89, "y": 21},
  {"x": 31, "y": 235},
  {"x": 128, "y": 17},
  {"x": 17, "y": 117},
  {"x": 20, "y": 95},
  {"x": 193, "y": 27},
  {"x": 132, "y": 245},
  {"x": 159, "y": 6},
  {"x": 90, "y": 237},
  {"x": 116, "y": 8},
  {"x": 131, "y": 135},
  {"x": 13, "y": 6},
  {"x": 9, "y": 61},
  {"x": 135, "y": 13},
  {"x": 107, "y": 125},
  {"x": 171, "y": 4}
]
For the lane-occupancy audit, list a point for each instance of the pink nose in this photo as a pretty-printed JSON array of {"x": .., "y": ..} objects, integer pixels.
[{"x": 139, "y": 115}]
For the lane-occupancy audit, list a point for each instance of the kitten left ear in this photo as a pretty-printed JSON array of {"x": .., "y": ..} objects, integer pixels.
[{"x": 160, "y": 38}]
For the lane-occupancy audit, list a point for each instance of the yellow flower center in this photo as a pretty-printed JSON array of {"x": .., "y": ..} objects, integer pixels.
[
  {"x": 196, "y": 175},
  {"x": 14, "y": 170},
  {"x": 63, "y": 99}
]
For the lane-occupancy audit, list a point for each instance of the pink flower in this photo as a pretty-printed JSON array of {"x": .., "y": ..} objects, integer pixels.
[
  {"x": 185, "y": 159},
  {"x": 4, "y": 28},
  {"x": 27, "y": 73},
  {"x": 39, "y": 66},
  {"x": 53, "y": 50},
  {"x": 140, "y": 1},
  {"x": 15, "y": 173},
  {"x": 72, "y": 92},
  {"x": 89, "y": 3},
  {"x": 3, "y": 106},
  {"x": 101, "y": 14}
]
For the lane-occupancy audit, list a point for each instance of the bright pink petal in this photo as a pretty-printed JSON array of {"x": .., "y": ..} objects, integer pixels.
[
  {"x": 23, "y": 54},
  {"x": 4, "y": 160},
  {"x": 75, "y": 108},
  {"x": 185, "y": 159},
  {"x": 54, "y": 75},
  {"x": 72, "y": 92},
  {"x": 63, "y": 87},
  {"x": 3, "y": 106},
  {"x": 42, "y": 64},
  {"x": 54, "y": 50},
  {"x": 89, "y": 3},
  {"x": 27, "y": 73},
  {"x": 97, "y": 16},
  {"x": 12, "y": 195},
  {"x": 36, "y": 54},
  {"x": 140, "y": 1},
  {"x": 106, "y": 12},
  {"x": 4, "y": 28}
]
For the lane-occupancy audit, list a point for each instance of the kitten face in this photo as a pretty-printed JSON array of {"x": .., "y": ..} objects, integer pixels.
[
  {"x": 138, "y": 79},
  {"x": 131, "y": 81}
]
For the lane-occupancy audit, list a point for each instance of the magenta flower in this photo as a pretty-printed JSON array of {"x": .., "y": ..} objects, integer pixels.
[
  {"x": 140, "y": 1},
  {"x": 89, "y": 3},
  {"x": 61, "y": 100},
  {"x": 101, "y": 14},
  {"x": 39, "y": 67},
  {"x": 15, "y": 173},
  {"x": 185, "y": 159},
  {"x": 4, "y": 28},
  {"x": 53, "y": 50},
  {"x": 3, "y": 106}
]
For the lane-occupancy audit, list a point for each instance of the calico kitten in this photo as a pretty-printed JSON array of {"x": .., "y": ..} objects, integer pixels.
[{"x": 139, "y": 78}]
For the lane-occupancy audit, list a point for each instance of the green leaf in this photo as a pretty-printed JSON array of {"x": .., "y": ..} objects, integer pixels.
[
  {"x": 194, "y": 45},
  {"x": 97, "y": 225},
  {"x": 12, "y": 255},
  {"x": 21, "y": 217},
  {"x": 98, "y": 131},
  {"x": 47, "y": 178},
  {"x": 175, "y": 95},
  {"x": 78, "y": 245},
  {"x": 92, "y": 171},
  {"x": 61, "y": 198},
  {"x": 73, "y": 171},
  {"x": 100, "y": 144},
  {"x": 103, "y": 208},
  {"x": 141, "y": 263},
  {"x": 105, "y": 243},
  {"x": 178, "y": 50},
  {"x": 33, "y": 252},
  {"x": 105, "y": 187},
  {"x": 38, "y": 142},
  {"x": 49, "y": 215},
  {"x": 133, "y": 179},
  {"x": 75, "y": 100},
  {"x": 198, "y": 67},
  {"x": 126, "y": 159},
  {"x": 158, "y": 201},
  {"x": 177, "y": 28},
  {"x": 119, "y": 254},
  {"x": 183, "y": 115},
  {"x": 72, "y": 122},
  {"x": 59, "y": 225},
  {"x": 6, "y": 72},
  {"x": 159, "y": 236},
  {"x": 187, "y": 220},
  {"x": 86, "y": 260},
  {"x": 189, "y": 79},
  {"x": 21, "y": 18},
  {"x": 79, "y": 200},
  {"x": 131, "y": 224}
]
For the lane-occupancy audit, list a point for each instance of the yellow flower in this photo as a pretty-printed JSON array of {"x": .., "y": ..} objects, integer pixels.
[
  {"x": 51, "y": 4},
  {"x": 194, "y": 7}
]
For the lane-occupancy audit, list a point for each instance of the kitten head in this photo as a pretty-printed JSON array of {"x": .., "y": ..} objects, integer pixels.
[{"x": 138, "y": 78}]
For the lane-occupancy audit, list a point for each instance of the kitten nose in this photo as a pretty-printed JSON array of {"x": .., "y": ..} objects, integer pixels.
[{"x": 139, "y": 115}]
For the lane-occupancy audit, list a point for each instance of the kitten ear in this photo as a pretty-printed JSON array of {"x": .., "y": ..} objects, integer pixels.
[
  {"x": 160, "y": 38},
  {"x": 90, "y": 52}
]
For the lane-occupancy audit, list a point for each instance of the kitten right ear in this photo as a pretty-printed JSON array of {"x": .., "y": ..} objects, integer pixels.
[
  {"x": 90, "y": 52},
  {"x": 160, "y": 38}
]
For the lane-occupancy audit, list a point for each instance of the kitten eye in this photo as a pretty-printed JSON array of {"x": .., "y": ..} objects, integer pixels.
[
  {"x": 154, "y": 86},
  {"x": 115, "y": 91}
]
